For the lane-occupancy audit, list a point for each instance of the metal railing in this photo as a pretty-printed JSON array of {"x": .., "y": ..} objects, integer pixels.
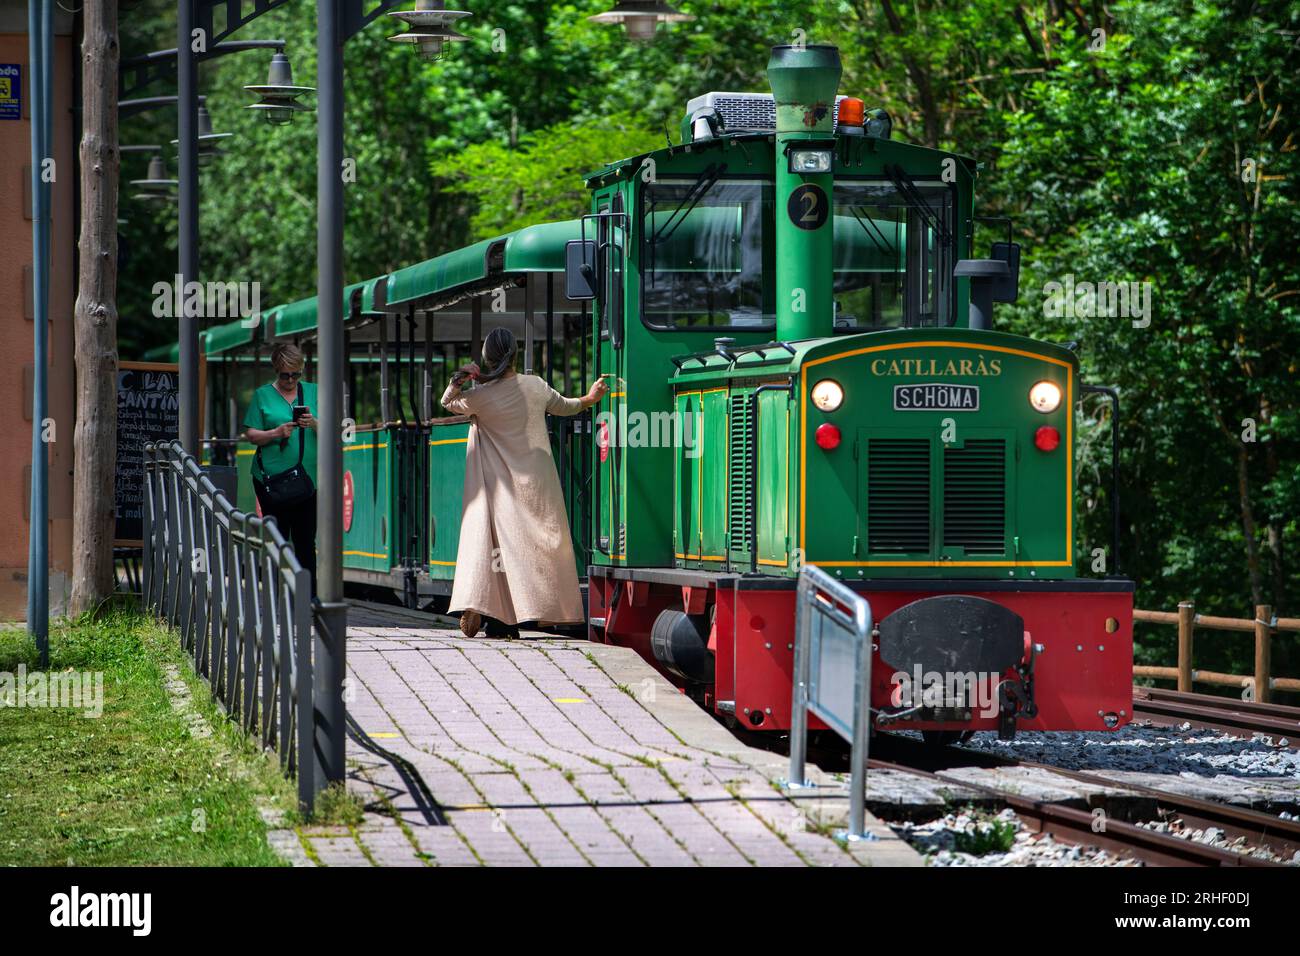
[
  {"x": 832, "y": 679},
  {"x": 232, "y": 587}
]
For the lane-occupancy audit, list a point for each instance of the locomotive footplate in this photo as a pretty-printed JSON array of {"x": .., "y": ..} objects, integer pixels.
[{"x": 955, "y": 655}]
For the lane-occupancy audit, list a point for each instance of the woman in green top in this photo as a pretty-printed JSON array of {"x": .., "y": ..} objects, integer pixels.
[{"x": 283, "y": 441}]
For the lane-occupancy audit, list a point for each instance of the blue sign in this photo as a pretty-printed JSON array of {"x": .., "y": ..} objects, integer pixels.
[{"x": 11, "y": 91}]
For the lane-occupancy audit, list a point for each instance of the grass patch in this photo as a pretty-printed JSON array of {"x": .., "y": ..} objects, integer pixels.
[
  {"x": 989, "y": 835},
  {"x": 131, "y": 787},
  {"x": 337, "y": 806}
]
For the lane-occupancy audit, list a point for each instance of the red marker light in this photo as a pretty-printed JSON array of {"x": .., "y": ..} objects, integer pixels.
[
  {"x": 1047, "y": 438},
  {"x": 828, "y": 436}
]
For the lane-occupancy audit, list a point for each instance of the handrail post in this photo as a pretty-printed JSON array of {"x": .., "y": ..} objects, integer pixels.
[
  {"x": 1263, "y": 650},
  {"x": 861, "y": 724},
  {"x": 799, "y": 711},
  {"x": 1186, "y": 625}
]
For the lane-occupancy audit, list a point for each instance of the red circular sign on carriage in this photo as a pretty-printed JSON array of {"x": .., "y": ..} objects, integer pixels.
[
  {"x": 347, "y": 501},
  {"x": 602, "y": 441}
]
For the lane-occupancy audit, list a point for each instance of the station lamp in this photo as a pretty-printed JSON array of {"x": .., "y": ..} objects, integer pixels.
[
  {"x": 155, "y": 187},
  {"x": 278, "y": 98},
  {"x": 641, "y": 17},
  {"x": 209, "y": 142},
  {"x": 430, "y": 27}
]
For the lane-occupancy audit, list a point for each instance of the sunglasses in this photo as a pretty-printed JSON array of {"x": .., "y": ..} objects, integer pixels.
[{"x": 290, "y": 376}]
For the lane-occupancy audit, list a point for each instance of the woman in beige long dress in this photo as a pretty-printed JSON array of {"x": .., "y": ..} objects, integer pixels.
[{"x": 515, "y": 559}]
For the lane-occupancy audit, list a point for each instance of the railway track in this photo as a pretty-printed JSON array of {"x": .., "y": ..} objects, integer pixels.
[
  {"x": 1081, "y": 827},
  {"x": 1240, "y": 718},
  {"x": 1123, "y": 830},
  {"x": 1263, "y": 830}
]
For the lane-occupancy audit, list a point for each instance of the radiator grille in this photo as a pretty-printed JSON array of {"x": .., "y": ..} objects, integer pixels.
[
  {"x": 898, "y": 495},
  {"x": 974, "y": 496},
  {"x": 740, "y": 464}
]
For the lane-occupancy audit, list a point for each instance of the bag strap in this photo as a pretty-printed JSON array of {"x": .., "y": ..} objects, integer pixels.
[
  {"x": 302, "y": 432},
  {"x": 302, "y": 441}
]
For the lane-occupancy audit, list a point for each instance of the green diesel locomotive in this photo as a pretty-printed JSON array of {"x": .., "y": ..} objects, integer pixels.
[{"x": 799, "y": 337}]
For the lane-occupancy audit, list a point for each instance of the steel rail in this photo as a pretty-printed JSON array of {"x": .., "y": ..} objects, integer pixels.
[
  {"x": 1237, "y": 717},
  {"x": 1263, "y": 830}
]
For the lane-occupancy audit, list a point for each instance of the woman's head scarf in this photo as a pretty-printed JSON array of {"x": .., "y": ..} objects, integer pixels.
[{"x": 498, "y": 354}]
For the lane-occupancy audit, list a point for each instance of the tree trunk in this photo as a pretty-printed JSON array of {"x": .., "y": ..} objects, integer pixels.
[
  {"x": 95, "y": 438},
  {"x": 1248, "y": 527}
]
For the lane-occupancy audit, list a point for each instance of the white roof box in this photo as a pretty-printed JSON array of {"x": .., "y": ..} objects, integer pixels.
[{"x": 740, "y": 112}]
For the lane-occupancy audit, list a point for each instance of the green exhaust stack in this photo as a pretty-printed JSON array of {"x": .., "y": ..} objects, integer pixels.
[{"x": 804, "y": 81}]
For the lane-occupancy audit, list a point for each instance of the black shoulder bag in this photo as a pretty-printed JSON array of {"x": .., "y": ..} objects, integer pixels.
[{"x": 292, "y": 486}]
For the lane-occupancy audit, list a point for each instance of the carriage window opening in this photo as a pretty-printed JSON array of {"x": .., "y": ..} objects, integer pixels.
[
  {"x": 891, "y": 268},
  {"x": 702, "y": 254},
  {"x": 602, "y": 237},
  {"x": 616, "y": 252}
]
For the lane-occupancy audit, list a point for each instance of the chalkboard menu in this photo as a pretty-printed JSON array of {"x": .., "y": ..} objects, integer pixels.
[{"x": 147, "y": 404}]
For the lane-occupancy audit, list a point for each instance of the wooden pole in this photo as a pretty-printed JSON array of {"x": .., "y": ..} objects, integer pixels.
[
  {"x": 1186, "y": 624},
  {"x": 95, "y": 438},
  {"x": 1263, "y": 650}
]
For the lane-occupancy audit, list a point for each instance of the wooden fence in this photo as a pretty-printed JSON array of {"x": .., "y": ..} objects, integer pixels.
[{"x": 1264, "y": 625}]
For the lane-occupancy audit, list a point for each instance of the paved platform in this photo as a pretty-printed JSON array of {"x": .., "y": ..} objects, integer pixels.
[{"x": 559, "y": 752}]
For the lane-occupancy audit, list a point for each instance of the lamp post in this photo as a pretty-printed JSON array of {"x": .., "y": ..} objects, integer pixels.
[
  {"x": 329, "y": 662},
  {"x": 338, "y": 21},
  {"x": 191, "y": 135},
  {"x": 194, "y": 19},
  {"x": 40, "y": 32},
  {"x": 187, "y": 266}
]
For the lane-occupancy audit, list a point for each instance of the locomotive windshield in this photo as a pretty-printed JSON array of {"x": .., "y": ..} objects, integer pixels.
[
  {"x": 892, "y": 265},
  {"x": 706, "y": 248}
]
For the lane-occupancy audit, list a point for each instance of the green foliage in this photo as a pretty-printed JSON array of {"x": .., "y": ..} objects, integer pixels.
[
  {"x": 1170, "y": 158},
  {"x": 540, "y": 179}
]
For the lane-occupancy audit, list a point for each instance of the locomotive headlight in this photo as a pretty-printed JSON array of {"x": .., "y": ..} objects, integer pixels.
[
  {"x": 809, "y": 161},
  {"x": 1045, "y": 397},
  {"x": 827, "y": 395}
]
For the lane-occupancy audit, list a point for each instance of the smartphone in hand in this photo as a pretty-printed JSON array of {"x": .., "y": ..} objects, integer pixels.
[{"x": 299, "y": 411}]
